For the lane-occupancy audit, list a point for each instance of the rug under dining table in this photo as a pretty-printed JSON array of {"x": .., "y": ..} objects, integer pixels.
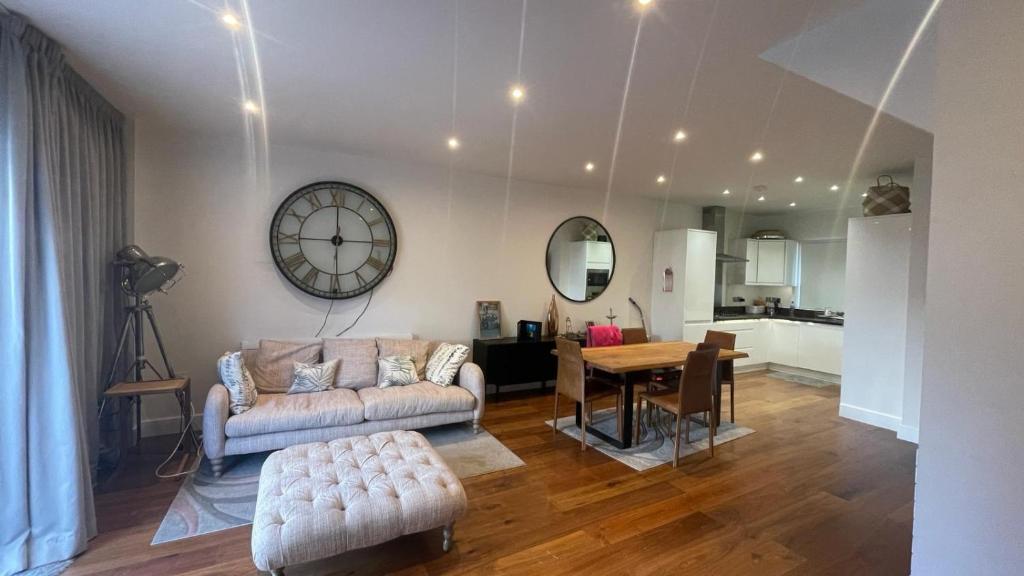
[{"x": 654, "y": 447}]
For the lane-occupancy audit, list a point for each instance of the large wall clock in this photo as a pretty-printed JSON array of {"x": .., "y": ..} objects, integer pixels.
[{"x": 333, "y": 240}]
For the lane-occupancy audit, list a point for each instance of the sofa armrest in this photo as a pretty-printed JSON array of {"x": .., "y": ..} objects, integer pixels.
[
  {"x": 215, "y": 418},
  {"x": 471, "y": 377}
]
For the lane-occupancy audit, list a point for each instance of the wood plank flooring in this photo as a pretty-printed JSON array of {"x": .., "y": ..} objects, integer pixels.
[{"x": 808, "y": 493}]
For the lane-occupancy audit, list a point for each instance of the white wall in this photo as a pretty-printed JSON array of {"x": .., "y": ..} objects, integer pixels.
[
  {"x": 199, "y": 201},
  {"x": 920, "y": 196},
  {"x": 874, "y": 332},
  {"x": 969, "y": 513}
]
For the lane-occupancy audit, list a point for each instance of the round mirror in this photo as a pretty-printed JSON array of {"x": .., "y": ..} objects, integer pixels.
[{"x": 580, "y": 259}]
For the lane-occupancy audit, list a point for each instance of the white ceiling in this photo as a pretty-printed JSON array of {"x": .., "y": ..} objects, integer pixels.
[{"x": 376, "y": 78}]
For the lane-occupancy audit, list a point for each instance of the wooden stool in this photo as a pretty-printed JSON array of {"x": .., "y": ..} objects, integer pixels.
[{"x": 132, "y": 392}]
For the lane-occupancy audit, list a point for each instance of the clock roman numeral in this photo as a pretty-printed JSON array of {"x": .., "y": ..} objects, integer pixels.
[
  {"x": 359, "y": 279},
  {"x": 335, "y": 283},
  {"x": 376, "y": 263},
  {"x": 292, "y": 212},
  {"x": 294, "y": 261},
  {"x": 310, "y": 278},
  {"x": 314, "y": 201},
  {"x": 382, "y": 243},
  {"x": 336, "y": 198},
  {"x": 288, "y": 238},
  {"x": 374, "y": 222}
]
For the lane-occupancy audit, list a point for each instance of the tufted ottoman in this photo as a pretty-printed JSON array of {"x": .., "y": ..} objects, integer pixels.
[{"x": 321, "y": 499}]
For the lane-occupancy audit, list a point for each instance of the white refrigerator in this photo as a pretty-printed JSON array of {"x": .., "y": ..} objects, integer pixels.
[{"x": 682, "y": 282}]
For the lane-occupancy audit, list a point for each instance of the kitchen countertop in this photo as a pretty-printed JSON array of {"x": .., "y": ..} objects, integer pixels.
[{"x": 782, "y": 315}]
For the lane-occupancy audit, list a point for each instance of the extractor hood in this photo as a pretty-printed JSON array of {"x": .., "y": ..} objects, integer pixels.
[{"x": 713, "y": 218}]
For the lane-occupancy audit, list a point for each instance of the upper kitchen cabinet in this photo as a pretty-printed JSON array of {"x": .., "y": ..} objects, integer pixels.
[{"x": 771, "y": 262}]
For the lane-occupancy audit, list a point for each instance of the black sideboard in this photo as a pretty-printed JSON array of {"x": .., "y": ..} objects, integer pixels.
[{"x": 512, "y": 361}]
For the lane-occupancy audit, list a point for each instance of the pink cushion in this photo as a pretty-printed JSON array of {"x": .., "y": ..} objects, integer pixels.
[{"x": 599, "y": 336}]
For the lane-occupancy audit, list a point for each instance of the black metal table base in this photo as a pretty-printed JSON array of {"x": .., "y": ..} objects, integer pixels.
[{"x": 627, "y": 413}]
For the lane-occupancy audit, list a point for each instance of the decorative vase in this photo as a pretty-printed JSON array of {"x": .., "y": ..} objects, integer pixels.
[{"x": 552, "y": 321}]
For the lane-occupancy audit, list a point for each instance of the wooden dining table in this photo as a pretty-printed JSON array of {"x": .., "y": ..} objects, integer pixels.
[{"x": 630, "y": 358}]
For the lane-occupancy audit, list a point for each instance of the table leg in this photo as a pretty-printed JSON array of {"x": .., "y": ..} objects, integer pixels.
[
  {"x": 626, "y": 439},
  {"x": 718, "y": 395}
]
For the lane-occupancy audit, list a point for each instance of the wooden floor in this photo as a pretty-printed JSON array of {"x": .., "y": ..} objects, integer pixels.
[{"x": 808, "y": 493}]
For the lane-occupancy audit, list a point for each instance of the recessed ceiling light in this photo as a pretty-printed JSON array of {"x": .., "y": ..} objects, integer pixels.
[
  {"x": 453, "y": 143},
  {"x": 760, "y": 198},
  {"x": 680, "y": 136},
  {"x": 726, "y": 192},
  {"x": 834, "y": 187},
  {"x": 589, "y": 167},
  {"x": 643, "y": 3},
  {"x": 792, "y": 204},
  {"x": 757, "y": 156},
  {"x": 661, "y": 179},
  {"x": 798, "y": 179},
  {"x": 517, "y": 93},
  {"x": 250, "y": 107}
]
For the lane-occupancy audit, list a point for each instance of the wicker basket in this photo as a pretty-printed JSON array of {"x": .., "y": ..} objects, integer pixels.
[{"x": 888, "y": 198}]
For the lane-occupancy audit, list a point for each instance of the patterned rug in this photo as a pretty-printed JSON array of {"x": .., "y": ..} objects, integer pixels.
[
  {"x": 654, "y": 447},
  {"x": 206, "y": 504}
]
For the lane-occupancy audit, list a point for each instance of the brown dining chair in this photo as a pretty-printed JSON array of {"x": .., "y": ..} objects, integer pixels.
[
  {"x": 634, "y": 336},
  {"x": 573, "y": 382},
  {"x": 694, "y": 395},
  {"x": 725, "y": 341}
]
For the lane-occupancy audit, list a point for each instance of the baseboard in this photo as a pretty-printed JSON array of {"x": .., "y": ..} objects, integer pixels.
[
  {"x": 750, "y": 368},
  {"x": 882, "y": 420},
  {"x": 908, "y": 433},
  {"x": 166, "y": 425},
  {"x": 825, "y": 376}
]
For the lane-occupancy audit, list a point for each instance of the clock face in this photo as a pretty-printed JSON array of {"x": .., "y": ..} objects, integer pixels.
[{"x": 333, "y": 240}]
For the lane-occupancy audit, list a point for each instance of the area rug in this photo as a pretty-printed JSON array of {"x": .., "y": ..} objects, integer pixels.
[
  {"x": 654, "y": 447},
  {"x": 206, "y": 504}
]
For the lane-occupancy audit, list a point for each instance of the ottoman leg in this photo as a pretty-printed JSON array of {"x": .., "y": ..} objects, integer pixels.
[
  {"x": 448, "y": 532},
  {"x": 476, "y": 426},
  {"x": 278, "y": 572}
]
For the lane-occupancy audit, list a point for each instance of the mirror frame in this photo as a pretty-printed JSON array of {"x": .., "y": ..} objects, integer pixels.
[{"x": 547, "y": 251}]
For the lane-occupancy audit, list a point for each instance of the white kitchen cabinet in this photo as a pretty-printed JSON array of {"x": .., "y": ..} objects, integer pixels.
[
  {"x": 687, "y": 257},
  {"x": 771, "y": 262},
  {"x": 784, "y": 343},
  {"x": 820, "y": 348}
]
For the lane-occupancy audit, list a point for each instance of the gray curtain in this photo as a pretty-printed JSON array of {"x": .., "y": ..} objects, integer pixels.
[{"x": 63, "y": 214}]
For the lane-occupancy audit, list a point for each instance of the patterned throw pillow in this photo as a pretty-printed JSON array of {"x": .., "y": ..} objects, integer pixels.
[
  {"x": 236, "y": 378},
  {"x": 445, "y": 362},
  {"x": 313, "y": 377},
  {"x": 396, "y": 371}
]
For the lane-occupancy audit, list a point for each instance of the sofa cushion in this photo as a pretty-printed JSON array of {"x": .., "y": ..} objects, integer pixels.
[
  {"x": 419, "y": 350},
  {"x": 285, "y": 412},
  {"x": 414, "y": 400},
  {"x": 358, "y": 357},
  {"x": 275, "y": 362}
]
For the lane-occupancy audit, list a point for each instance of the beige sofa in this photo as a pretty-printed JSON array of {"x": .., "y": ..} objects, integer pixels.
[{"x": 354, "y": 407}]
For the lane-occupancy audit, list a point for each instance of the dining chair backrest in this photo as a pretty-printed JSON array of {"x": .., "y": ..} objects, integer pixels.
[
  {"x": 634, "y": 336},
  {"x": 605, "y": 335},
  {"x": 698, "y": 382},
  {"x": 724, "y": 340},
  {"x": 570, "y": 379}
]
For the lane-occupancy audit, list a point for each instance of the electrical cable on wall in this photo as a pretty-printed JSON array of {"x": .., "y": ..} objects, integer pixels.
[{"x": 358, "y": 318}]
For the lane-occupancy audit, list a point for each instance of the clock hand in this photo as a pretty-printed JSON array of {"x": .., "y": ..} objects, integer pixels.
[{"x": 317, "y": 239}]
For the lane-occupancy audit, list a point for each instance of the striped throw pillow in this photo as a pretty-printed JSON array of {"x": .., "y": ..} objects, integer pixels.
[
  {"x": 445, "y": 362},
  {"x": 236, "y": 378}
]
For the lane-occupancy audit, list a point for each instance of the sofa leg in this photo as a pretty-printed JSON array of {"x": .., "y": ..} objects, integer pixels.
[
  {"x": 448, "y": 532},
  {"x": 218, "y": 468},
  {"x": 476, "y": 426},
  {"x": 277, "y": 572}
]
